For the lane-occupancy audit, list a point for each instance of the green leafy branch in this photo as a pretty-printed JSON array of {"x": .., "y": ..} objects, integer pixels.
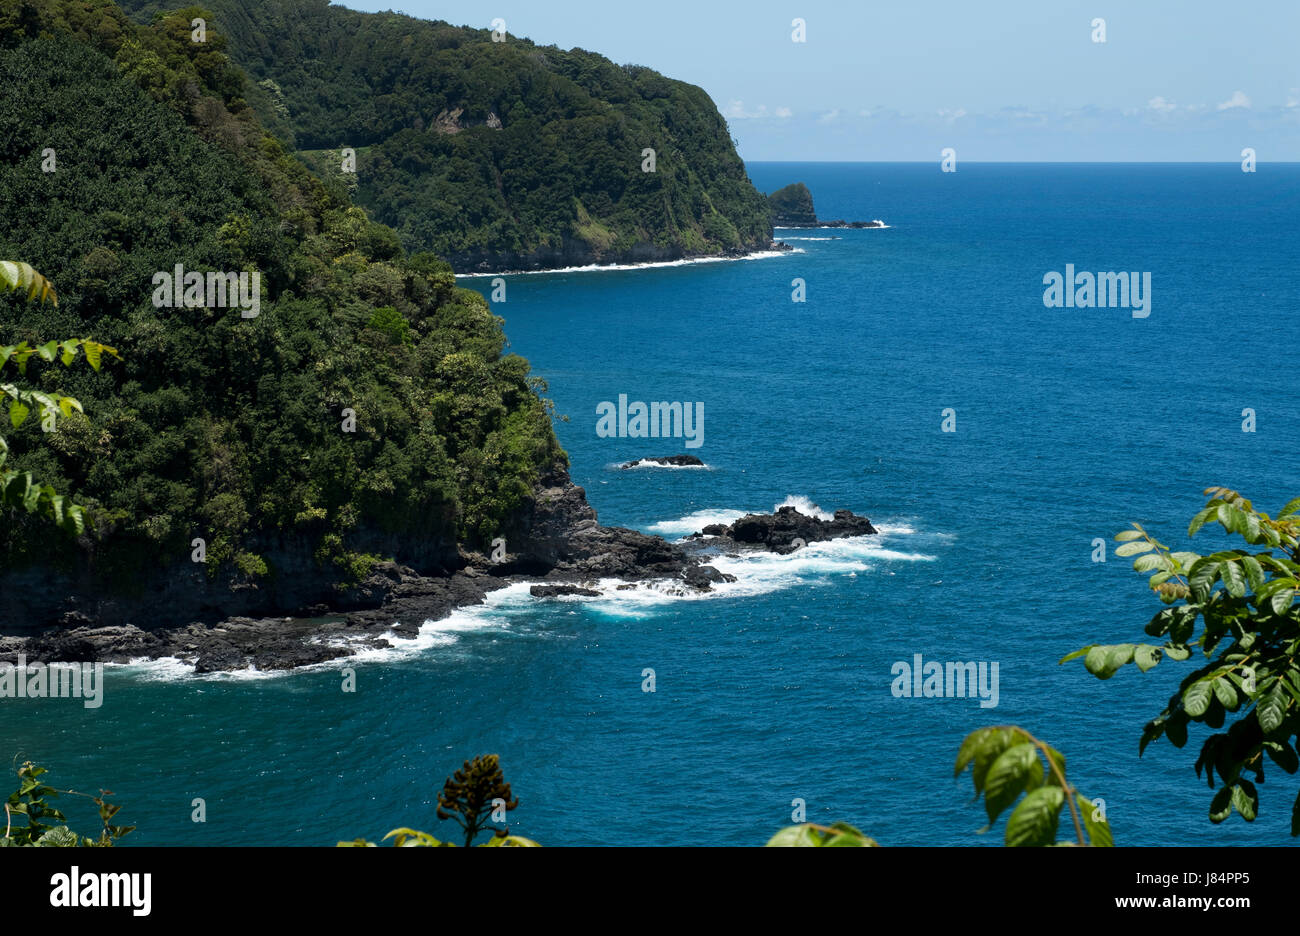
[
  {"x": 30, "y": 801},
  {"x": 1005, "y": 761},
  {"x": 1249, "y": 634},
  {"x": 18, "y": 490}
]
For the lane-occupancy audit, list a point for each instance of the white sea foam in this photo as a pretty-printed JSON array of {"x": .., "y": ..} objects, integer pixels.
[
  {"x": 650, "y": 265},
  {"x": 804, "y": 506},
  {"x": 694, "y": 522},
  {"x": 880, "y": 226}
]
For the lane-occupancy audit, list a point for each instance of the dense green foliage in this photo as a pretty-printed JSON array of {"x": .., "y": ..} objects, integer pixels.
[
  {"x": 1005, "y": 761},
  {"x": 31, "y": 820},
  {"x": 478, "y": 149},
  {"x": 792, "y": 205},
  {"x": 1250, "y": 638},
  {"x": 217, "y": 425}
]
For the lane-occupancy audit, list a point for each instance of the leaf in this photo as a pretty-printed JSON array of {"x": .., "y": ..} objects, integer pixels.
[
  {"x": 846, "y": 836},
  {"x": 969, "y": 745},
  {"x": 1197, "y": 698},
  {"x": 1230, "y": 518},
  {"x": 18, "y": 413},
  {"x": 1202, "y": 577},
  {"x": 1221, "y": 805},
  {"x": 1281, "y": 600},
  {"x": 799, "y": 836},
  {"x": 1146, "y": 656},
  {"x": 1246, "y": 800},
  {"x": 1254, "y": 571},
  {"x": 1234, "y": 580},
  {"x": 1133, "y": 548},
  {"x": 1011, "y": 773},
  {"x": 410, "y": 838},
  {"x": 1198, "y": 521},
  {"x": 1033, "y": 823},
  {"x": 58, "y": 837},
  {"x": 92, "y": 353},
  {"x": 1271, "y": 708},
  {"x": 1082, "y": 651},
  {"x": 1098, "y": 830},
  {"x": 1225, "y": 692},
  {"x": 1151, "y": 561},
  {"x": 1125, "y": 536},
  {"x": 16, "y": 276},
  {"x": 518, "y": 841},
  {"x": 987, "y": 751},
  {"x": 1289, "y": 508},
  {"x": 1104, "y": 661}
]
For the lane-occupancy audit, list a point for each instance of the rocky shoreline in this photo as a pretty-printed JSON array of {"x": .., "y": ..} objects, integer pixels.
[{"x": 566, "y": 553}]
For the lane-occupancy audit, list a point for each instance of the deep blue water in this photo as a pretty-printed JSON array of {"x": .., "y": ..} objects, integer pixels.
[{"x": 1070, "y": 424}]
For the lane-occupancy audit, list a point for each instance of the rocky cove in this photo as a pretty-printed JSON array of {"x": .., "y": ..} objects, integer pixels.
[{"x": 217, "y": 626}]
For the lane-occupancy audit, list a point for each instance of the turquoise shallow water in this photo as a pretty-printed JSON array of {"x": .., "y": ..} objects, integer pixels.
[{"x": 1070, "y": 423}]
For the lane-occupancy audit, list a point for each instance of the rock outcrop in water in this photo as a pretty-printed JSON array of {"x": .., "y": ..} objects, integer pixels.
[
  {"x": 676, "y": 461},
  {"x": 779, "y": 532},
  {"x": 792, "y": 207}
]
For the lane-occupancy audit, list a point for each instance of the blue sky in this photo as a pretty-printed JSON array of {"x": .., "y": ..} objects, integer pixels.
[{"x": 1004, "y": 80}]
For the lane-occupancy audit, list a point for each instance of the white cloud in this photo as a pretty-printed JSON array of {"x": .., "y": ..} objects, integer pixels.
[
  {"x": 736, "y": 110},
  {"x": 829, "y": 116},
  {"x": 1238, "y": 99},
  {"x": 952, "y": 115},
  {"x": 1158, "y": 103},
  {"x": 1293, "y": 98}
]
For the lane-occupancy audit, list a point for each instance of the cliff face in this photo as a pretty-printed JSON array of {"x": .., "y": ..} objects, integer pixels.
[
  {"x": 554, "y": 533},
  {"x": 494, "y": 154}
]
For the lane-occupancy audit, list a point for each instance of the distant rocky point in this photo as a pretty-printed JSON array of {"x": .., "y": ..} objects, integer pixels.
[
  {"x": 779, "y": 532},
  {"x": 792, "y": 207},
  {"x": 674, "y": 461}
]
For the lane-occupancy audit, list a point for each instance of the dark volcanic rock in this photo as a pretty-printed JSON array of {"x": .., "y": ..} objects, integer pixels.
[
  {"x": 779, "y": 531},
  {"x": 703, "y": 577},
  {"x": 556, "y": 591},
  {"x": 678, "y": 460}
]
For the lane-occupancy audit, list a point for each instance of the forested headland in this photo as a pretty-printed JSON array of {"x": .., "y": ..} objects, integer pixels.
[{"x": 494, "y": 154}]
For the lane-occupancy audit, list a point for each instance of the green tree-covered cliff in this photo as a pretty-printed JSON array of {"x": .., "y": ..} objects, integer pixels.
[
  {"x": 494, "y": 154},
  {"x": 131, "y": 149}
]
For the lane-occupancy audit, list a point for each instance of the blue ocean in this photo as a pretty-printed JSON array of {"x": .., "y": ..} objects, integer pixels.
[{"x": 1069, "y": 423}]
